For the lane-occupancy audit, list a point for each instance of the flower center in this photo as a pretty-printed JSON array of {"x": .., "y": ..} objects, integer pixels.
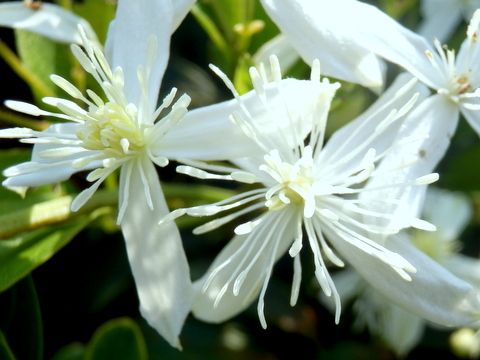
[
  {"x": 294, "y": 182},
  {"x": 459, "y": 85},
  {"x": 111, "y": 129}
]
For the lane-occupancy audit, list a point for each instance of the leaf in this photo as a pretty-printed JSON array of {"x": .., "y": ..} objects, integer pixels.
[
  {"x": 74, "y": 351},
  {"x": 98, "y": 14},
  {"x": 117, "y": 339},
  {"x": 461, "y": 173},
  {"x": 21, "y": 322},
  {"x": 23, "y": 253},
  {"x": 43, "y": 57},
  {"x": 5, "y": 351}
]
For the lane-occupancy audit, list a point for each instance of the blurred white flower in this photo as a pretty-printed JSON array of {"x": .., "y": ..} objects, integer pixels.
[
  {"x": 441, "y": 17},
  {"x": 401, "y": 329},
  {"x": 49, "y": 20}
]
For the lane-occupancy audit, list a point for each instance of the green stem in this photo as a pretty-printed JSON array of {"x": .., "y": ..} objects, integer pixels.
[
  {"x": 51, "y": 212},
  {"x": 21, "y": 70},
  {"x": 211, "y": 29},
  {"x": 58, "y": 210},
  {"x": 22, "y": 121}
]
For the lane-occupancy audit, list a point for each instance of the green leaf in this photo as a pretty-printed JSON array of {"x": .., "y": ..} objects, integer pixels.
[
  {"x": 117, "y": 339},
  {"x": 22, "y": 254},
  {"x": 460, "y": 173},
  {"x": 74, "y": 351},
  {"x": 42, "y": 57},
  {"x": 5, "y": 351},
  {"x": 21, "y": 322},
  {"x": 97, "y": 13}
]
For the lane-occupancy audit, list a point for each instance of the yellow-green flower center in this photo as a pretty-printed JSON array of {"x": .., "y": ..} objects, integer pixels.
[{"x": 111, "y": 130}]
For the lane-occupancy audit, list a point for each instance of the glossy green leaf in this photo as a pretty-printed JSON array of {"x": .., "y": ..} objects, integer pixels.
[
  {"x": 117, "y": 339},
  {"x": 21, "y": 322},
  {"x": 23, "y": 253}
]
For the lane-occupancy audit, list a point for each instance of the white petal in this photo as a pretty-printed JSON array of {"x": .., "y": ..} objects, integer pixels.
[
  {"x": 127, "y": 48},
  {"x": 313, "y": 26},
  {"x": 436, "y": 116},
  {"x": 434, "y": 293},
  {"x": 280, "y": 47},
  {"x": 466, "y": 268},
  {"x": 156, "y": 256},
  {"x": 52, "y": 170},
  {"x": 50, "y": 20},
  {"x": 354, "y": 34},
  {"x": 403, "y": 330},
  {"x": 473, "y": 118},
  {"x": 230, "y": 304},
  {"x": 207, "y": 133},
  {"x": 440, "y": 19},
  {"x": 180, "y": 10},
  {"x": 343, "y": 142},
  {"x": 439, "y": 207}
]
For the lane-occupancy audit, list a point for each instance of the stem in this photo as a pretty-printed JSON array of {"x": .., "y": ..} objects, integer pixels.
[
  {"x": 211, "y": 29},
  {"x": 51, "y": 212},
  {"x": 22, "y": 121}
]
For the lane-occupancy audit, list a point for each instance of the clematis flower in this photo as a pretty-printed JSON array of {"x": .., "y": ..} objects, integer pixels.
[
  {"x": 454, "y": 79},
  {"x": 401, "y": 329},
  {"x": 441, "y": 17},
  {"x": 319, "y": 188},
  {"x": 49, "y": 20},
  {"x": 127, "y": 131},
  {"x": 121, "y": 132}
]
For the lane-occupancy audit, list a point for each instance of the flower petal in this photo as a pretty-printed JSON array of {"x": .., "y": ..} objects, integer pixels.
[
  {"x": 50, "y": 20},
  {"x": 235, "y": 257},
  {"x": 436, "y": 116},
  {"x": 473, "y": 118},
  {"x": 354, "y": 34},
  {"x": 208, "y": 134},
  {"x": 128, "y": 49},
  {"x": 49, "y": 170},
  {"x": 434, "y": 293},
  {"x": 355, "y": 133},
  {"x": 439, "y": 207},
  {"x": 312, "y": 26},
  {"x": 440, "y": 19},
  {"x": 156, "y": 255}
]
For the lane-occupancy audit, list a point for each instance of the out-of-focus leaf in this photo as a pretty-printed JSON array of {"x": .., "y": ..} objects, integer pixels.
[
  {"x": 43, "y": 57},
  {"x": 21, "y": 321},
  {"x": 97, "y": 13},
  {"x": 459, "y": 173},
  {"x": 117, "y": 339},
  {"x": 5, "y": 351},
  {"x": 22, "y": 254},
  {"x": 74, "y": 351}
]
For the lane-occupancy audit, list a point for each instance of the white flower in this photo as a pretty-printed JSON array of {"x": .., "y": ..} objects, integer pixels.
[
  {"x": 315, "y": 34},
  {"x": 128, "y": 132},
  {"x": 123, "y": 132},
  {"x": 400, "y": 328},
  {"x": 338, "y": 26},
  {"x": 319, "y": 189},
  {"x": 441, "y": 17},
  {"x": 49, "y": 20}
]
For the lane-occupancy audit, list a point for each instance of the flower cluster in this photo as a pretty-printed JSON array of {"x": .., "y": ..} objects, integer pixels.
[{"x": 353, "y": 197}]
